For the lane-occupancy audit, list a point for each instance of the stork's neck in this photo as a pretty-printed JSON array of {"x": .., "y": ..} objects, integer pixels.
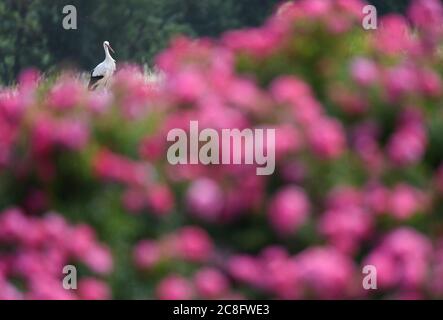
[{"x": 108, "y": 55}]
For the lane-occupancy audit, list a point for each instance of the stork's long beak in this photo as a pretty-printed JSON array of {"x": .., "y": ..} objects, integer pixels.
[{"x": 110, "y": 48}]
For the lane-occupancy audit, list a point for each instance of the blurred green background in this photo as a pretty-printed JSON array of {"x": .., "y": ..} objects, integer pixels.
[{"x": 31, "y": 32}]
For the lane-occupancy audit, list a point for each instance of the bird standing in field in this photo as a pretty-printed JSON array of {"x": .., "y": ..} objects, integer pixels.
[{"x": 102, "y": 73}]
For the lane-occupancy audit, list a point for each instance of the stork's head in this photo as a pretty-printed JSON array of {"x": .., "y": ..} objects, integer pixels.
[{"x": 107, "y": 45}]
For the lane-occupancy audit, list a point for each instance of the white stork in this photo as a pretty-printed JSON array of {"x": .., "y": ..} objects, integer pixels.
[{"x": 102, "y": 73}]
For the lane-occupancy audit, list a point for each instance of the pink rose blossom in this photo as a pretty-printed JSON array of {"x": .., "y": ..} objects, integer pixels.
[
  {"x": 325, "y": 272},
  {"x": 211, "y": 283},
  {"x": 364, "y": 71},
  {"x": 65, "y": 95},
  {"x": 402, "y": 259},
  {"x": 205, "y": 199},
  {"x": 327, "y": 138},
  {"x": 174, "y": 287},
  {"x": 146, "y": 254},
  {"x": 194, "y": 244},
  {"x": 93, "y": 289},
  {"x": 160, "y": 199},
  {"x": 405, "y": 201},
  {"x": 288, "y": 210}
]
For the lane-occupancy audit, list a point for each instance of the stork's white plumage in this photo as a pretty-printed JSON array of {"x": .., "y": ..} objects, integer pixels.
[{"x": 102, "y": 73}]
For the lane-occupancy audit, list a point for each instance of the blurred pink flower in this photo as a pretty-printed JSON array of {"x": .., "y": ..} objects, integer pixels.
[
  {"x": 280, "y": 273},
  {"x": 258, "y": 42},
  {"x": 187, "y": 86},
  {"x": 99, "y": 259},
  {"x": 193, "y": 244},
  {"x": 427, "y": 14},
  {"x": 43, "y": 246},
  {"x": 365, "y": 141},
  {"x": 393, "y": 37},
  {"x": 98, "y": 101},
  {"x": 81, "y": 237},
  {"x": 174, "y": 287},
  {"x": 405, "y": 201},
  {"x": 430, "y": 83},
  {"x": 66, "y": 94},
  {"x": 9, "y": 292},
  {"x": 205, "y": 199},
  {"x": 376, "y": 198},
  {"x": 72, "y": 134},
  {"x": 364, "y": 71},
  {"x": 402, "y": 80},
  {"x": 93, "y": 289},
  {"x": 408, "y": 144},
  {"x": 134, "y": 200},
  {"x": 402, "y": 259},
  {"x": 43, "y": 135},
  {"x": 288, "y": 210},
  {"x": 211, "y": 283},
  {"x": 109, "y": 165},
  {"x": 325, "y": 272},
  {"x": 245, "y": 94},
  {"x": 287, "y": 140},
  {"x": 153, "y": 148},
  {"x": 327, "y": 138},
  {"x": 294, "y": 172},
  {"x": 346, "y": 227},
  {"x": 28, "y": 79},
  {"x": 13, "y": 225},
  {"x": 344, "y": 197},
  {"x": 160, "y": 199},
  {"x": 246, "y": 269},
  {"x": 47, "y": 288},
  {"x": 146, "y": 254},
  {"x": 288, "y": 89}
]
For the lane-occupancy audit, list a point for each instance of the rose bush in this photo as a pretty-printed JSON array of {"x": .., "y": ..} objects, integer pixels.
[{"x": 358, "y": 180}]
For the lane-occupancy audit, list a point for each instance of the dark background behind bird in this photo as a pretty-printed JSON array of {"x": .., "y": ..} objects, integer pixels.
[{"x": 31, "y": 32}]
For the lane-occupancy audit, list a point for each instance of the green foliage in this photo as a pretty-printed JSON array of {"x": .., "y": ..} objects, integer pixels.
[
  {"x": 22, "y": 40},
  {"x": 31, "y": 32}
]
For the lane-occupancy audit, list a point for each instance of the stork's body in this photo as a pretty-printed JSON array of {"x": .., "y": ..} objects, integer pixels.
[{"x": 102, "y": 73}]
